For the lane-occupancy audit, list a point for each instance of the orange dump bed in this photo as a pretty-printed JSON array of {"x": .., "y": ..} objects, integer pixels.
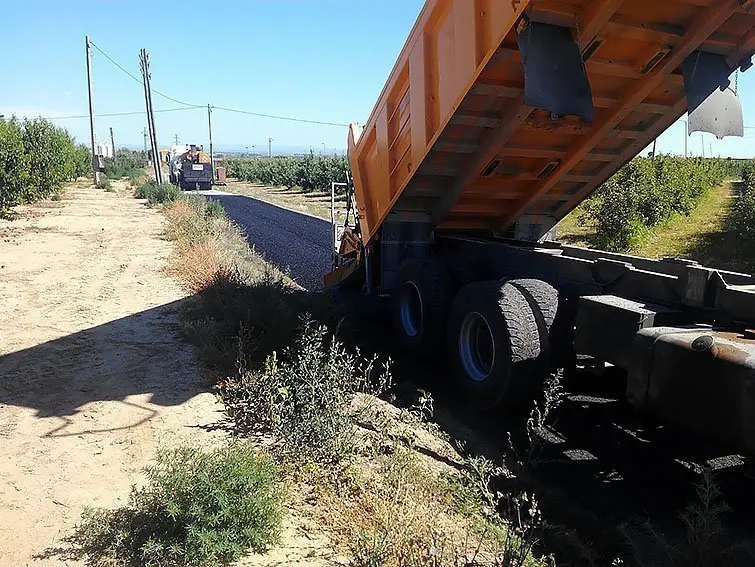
[{"x": 452, "y": 138}]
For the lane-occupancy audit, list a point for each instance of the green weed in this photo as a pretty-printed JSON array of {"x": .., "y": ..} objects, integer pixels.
[
  {"x": 197, "y": 508},
  {"x": 158, "y": 194}
]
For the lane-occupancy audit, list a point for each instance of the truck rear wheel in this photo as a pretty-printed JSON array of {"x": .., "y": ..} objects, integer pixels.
[
  {"x": 493, "y": 339},
  {"x": 542, "y": 297},
  {"x": 421, "y": 298}
]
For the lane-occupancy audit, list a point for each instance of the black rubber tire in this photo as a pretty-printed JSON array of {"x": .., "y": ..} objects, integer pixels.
[
  {"x": 430, "y": 280},
  {"x": 542, "y": 297},
  {"x": 515, "y": 336}
]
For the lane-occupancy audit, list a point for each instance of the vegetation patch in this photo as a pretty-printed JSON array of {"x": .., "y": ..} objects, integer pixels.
[
  {"x": 743, "y": 208},
  {"x": 197, "y": 508},
  {"x": 36, "y": 157},
  {"x": 309, "y": 172},
  {"x": 645, "y": 194},
  {"x": 158, "y": 193},
  {"x": 127, "y": 164}
]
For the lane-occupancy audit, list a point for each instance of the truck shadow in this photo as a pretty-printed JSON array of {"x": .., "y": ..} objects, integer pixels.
[
  {"x": 602, "y": 465},
  {"x": 132, "y": 356}
]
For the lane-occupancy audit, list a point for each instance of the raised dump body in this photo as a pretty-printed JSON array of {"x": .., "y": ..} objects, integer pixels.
[{"x": 459, "y": 136}]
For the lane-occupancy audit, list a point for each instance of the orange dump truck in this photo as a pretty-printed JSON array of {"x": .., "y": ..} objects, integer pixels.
[{"x": 498, "y": 119}]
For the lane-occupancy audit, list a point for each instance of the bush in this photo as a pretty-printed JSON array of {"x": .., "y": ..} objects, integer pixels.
[
  {"x": 646, "y": 193},
  {"x": 748, "y": 174},
  {"x": 14, "y": 166},
  {"x": 213, "y": 209},
  {"x": 158, "y": 193},
  {"x": 309, "y": 173},
  {"x": 105, "y": 184},
  {"x": 742, "y": 215},
  {"x": 36, "y": 157},
  {"x": 306, "y": 402},
  {"x": 127, "y": 163},
  {"x": 197, "y": 508}
]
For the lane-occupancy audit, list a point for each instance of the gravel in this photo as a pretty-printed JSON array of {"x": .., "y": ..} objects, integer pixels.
[{"x": 297, "y": 243}]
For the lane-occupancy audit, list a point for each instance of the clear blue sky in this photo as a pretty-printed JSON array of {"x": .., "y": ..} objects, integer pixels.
[{"x": 315, "y": 59}]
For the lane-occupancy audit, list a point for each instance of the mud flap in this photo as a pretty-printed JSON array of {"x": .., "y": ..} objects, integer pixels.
[
  {"x": 712, "y": 103},
  {"x": 555, "y": 78}
]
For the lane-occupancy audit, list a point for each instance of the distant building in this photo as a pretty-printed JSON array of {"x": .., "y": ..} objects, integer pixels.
[{"x": 104, "y": 149}]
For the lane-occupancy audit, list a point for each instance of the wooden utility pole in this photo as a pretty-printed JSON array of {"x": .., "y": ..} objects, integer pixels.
[
  {"x": 144, "y": 61},
  {"x": 144, "y": 131},
  {"x": 112, "y": 145},
  {"x": 209, "y": 126},
  {"x": 655, "y": 145},
  {"x": 95, "y": 169}
]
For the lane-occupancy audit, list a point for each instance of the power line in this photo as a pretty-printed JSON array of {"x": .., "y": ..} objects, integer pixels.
[
  {"x": 138, "y": 80},
  {"x": 288, "y": 118},
  {"x": 135, "y": 113},
  {"x": 236, "y": 110}
]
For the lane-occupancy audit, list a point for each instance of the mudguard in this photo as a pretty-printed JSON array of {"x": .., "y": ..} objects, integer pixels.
[
  {"x": 712, "y": 104},
  {"x": 555, "y": 78}
]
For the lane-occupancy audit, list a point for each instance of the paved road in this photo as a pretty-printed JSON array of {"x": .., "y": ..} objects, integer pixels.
[{"x": 290, "y": 240}]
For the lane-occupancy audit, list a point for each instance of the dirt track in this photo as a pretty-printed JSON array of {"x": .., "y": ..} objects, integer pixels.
[{"x": 93, "y": 378}]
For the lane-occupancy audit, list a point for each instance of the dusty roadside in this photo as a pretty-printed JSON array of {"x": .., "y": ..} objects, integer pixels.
[{"x": 93, "y": 377}]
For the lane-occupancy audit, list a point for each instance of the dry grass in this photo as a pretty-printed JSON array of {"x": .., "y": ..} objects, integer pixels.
[
  {"x": 397, "y": 499},
  {"x": 406, "y": 500},
  {"x": 198, "y": 266},
  {"x": 209, "y": 247}
]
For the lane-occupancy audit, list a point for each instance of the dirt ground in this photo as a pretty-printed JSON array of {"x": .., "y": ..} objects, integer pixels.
[{"x": 93, "y": 377}]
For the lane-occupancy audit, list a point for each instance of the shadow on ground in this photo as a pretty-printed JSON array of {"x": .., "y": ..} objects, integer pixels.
[
  {"x": 604, "y": 465},
  {"x": 109, "y": 362},
  {"x": 728, "y": 249}
]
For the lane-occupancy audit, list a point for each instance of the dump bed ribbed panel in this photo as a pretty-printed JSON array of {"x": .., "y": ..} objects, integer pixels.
[{"x": 451, "y": 137}]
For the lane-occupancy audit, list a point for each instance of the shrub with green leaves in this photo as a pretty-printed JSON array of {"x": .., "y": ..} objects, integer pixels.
[
  {"x": 158, "y": 193},
  {"x": 305, "y": 402},
  {"x": 646, "y": 193},
  {"x": 127, "y": 163},
  {"x": 309, "y": 172},
  {"x": 742, "y": 215},
  {"x": 14, "y": 166},
  {"x": 36, "y": 157},
  {"x": 197, "y": 508},
  {"x": 105, "y": 184}
]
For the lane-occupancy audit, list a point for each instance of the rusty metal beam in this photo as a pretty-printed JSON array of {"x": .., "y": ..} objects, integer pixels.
[
  {"x": 707, "y": 22},
  {"x": 508, "y": 91}
]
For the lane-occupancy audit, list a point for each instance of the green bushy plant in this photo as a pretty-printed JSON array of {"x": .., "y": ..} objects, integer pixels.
[
  {"x": 105, "y": 184},
  {"x": 197, "y": 508},
  {"x": 158, "y": 193},
  {"x": 742, "y": 216},
  {"x": 14, "y": 170},
  {"x": 127, "y": 163},
  {"x": 304, "y": 402},
  {"x": 646, "y": 193},
  {"x": 36, "y": 157}
]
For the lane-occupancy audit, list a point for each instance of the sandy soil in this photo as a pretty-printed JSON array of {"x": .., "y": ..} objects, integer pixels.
[{"x": 93, "y": 377}]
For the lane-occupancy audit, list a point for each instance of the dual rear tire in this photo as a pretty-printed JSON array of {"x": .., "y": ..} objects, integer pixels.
[{"x": 496, "y": 334}]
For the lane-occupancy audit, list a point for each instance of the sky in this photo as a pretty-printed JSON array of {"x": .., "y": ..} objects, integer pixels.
[{"x": 323, "y": 60}]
